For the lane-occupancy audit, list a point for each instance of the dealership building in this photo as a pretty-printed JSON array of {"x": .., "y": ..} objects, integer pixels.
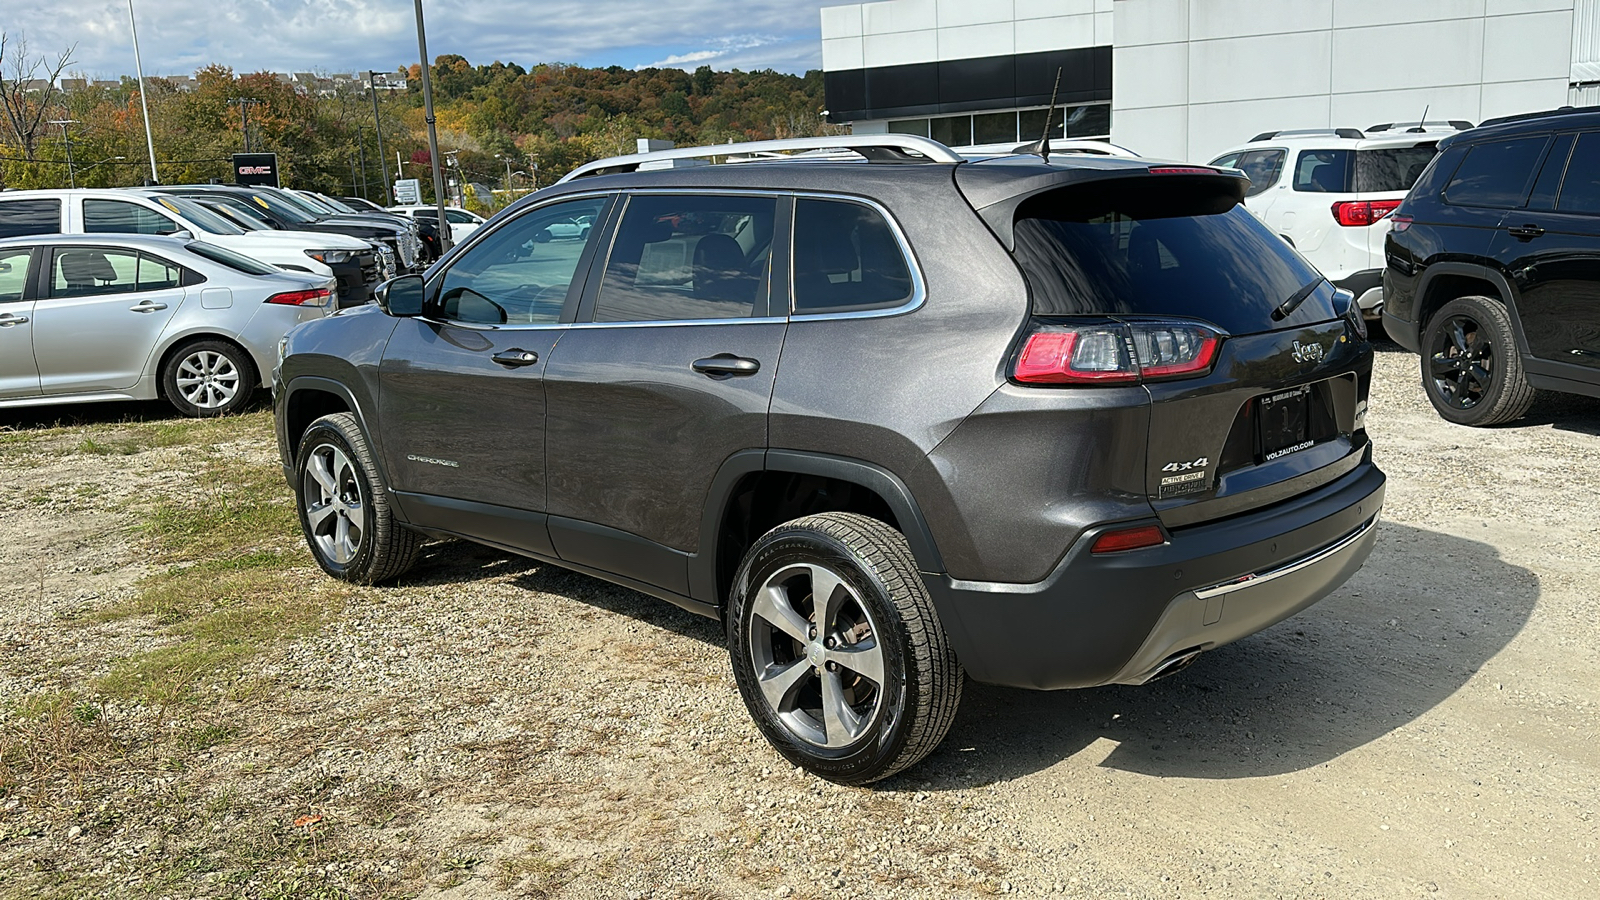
[{"x": 1186, "y": 79}]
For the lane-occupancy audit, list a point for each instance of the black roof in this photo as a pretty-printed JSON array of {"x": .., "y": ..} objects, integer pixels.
[{"x": 1567, "y": 117}]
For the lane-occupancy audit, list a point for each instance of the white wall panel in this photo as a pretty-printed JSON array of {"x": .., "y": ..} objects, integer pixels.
[
  {"x": 1504, "y": 7},
  {"x": 1058, "y": 33},
  {"x": 969, "y": 41},
  {"x": 1159, "y": 132},
  {"x": 1509, "y": 98},
  {"x": 1283, "y": 65},
  {"x": 899, "y": 15},
  {"x": 1367, "y": 109},
  {"x": 842, "y": 53},
  {"x": 1215, "y": 128},
  {"x": 1408, "y": 56},
  {"x": 900, "y": 48},
  {"x": 1522, "y": 48},
  {"x": 1104, "y": 26},
  {"x": 841, "y": 21},
  {"x": 1039, "y": 9},
  {"x": 1359, "y": 13},
  {"x": 1155, "y": 75},
  {"x": 1209, "y": 19},
  {"x": 953, "y": 13},
  {"x": 1152, "y": 22}
]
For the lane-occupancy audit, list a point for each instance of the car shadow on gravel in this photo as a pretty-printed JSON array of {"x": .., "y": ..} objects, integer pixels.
[
  {"x": 79, "y": 415},
  {"x": 1425, "y": 613}
]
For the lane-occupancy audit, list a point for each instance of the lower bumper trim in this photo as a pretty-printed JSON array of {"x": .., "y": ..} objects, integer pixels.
[{"x": 1259, "y": 578}]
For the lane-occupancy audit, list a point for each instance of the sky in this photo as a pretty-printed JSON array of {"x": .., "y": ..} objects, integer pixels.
[{"x": 178, "y": 36}]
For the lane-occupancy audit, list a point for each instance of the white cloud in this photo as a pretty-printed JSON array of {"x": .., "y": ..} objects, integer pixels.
[{"x": 177, "y": 36}]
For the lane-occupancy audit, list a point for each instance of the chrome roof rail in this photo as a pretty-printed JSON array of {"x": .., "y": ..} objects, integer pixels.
[{"x": 874, "y": 147}]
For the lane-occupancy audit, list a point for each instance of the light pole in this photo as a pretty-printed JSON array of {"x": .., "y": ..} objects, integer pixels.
[
  {"x": 377, "y": 126},
  {"x": 507, "y": 161},
  {"x": 433, "y": 135},
  {"x": 72, "y": 179},
  {"x": 138, "y": 68}
]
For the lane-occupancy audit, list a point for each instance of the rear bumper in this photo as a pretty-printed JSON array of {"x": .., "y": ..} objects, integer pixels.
[
  {"x": 1402, "y": 332},
  {"x": 1119, "y": 618}
]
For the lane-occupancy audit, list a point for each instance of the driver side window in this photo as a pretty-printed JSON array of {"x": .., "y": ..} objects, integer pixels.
[{"x": 521, "y": 273}]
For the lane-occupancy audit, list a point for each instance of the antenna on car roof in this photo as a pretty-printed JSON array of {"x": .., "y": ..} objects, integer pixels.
[
  {"x": 1422, "y": 123},
  {"x": 1042, "y": 146}
]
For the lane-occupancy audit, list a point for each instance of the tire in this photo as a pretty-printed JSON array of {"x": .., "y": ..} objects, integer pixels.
[
  {"x": 1471, "y": 369},
  {"x": 344, "y": 511},
  {"x": 881, "y": 623},
  {"x": 209, "y": 378}
]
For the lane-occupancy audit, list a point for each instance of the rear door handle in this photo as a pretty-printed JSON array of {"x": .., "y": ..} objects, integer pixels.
[
  {"x": 516, "y": 358},
  {"x": 147, "y": 306},
  {"x": 1525, "y": 232},
  {"x": 7, "y": 320},
  {"x": 725, "y": 364}
]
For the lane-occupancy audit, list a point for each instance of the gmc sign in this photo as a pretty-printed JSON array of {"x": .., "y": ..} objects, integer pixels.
[{"x": 255, "y": 169}]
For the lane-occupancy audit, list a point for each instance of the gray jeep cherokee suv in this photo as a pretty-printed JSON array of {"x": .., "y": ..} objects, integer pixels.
[{"x": 894, "y": 417}]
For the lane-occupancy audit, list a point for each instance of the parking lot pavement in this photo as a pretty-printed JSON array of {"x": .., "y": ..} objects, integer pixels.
[{"x": 495, "y": 727}]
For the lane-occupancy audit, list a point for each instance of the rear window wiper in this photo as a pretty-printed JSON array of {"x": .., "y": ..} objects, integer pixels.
[{"x": 1298, "y": 297}]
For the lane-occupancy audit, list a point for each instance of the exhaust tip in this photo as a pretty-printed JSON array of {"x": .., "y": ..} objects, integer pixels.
[{"x": 1174, "y": 664}]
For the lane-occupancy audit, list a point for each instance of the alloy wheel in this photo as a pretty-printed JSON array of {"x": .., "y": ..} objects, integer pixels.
[
  {"x": 816, "y": 655},
  {"x": 208, "y": 379},
  {"x": 335, "y": 509},
  {"x": 1461, "y": 362}
]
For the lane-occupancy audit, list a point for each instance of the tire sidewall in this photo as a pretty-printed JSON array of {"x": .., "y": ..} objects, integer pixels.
[
  {"x": 242, "y": 363},
  {"x": 325, "y": 433},
  {"x": 888, "y": 734},
  {"x": 1502, "y": 344}
]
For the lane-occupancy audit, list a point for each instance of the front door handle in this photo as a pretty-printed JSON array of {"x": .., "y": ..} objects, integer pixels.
[
  {"x": 1525, "y": 232},
  {"x": 7, "y": 320},
  {"x": 516, "y": 358},
  {"x": 725, "y": 364},
  {"x": 144, "y": 306}
]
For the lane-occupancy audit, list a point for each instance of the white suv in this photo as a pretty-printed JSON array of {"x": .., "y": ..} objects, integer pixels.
[{"x": 1329, "y": 192}]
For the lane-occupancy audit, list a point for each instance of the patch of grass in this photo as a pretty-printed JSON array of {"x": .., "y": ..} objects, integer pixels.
[
  {"x": 108, "y": 447},
  {"x": 54, "y": 737}
]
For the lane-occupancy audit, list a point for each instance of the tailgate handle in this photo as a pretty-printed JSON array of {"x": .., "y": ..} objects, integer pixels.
[
  {"x": 516, "y": 357},
  {"x": 1525, "y": 232}
]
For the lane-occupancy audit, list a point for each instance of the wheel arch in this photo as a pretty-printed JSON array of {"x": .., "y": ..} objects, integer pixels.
[
  {"x": 1445, "y": 281},
  {"x": 810, "y": 482},
  {"x": 178, "y": 344},
  {"x": 307, "y": 398}
]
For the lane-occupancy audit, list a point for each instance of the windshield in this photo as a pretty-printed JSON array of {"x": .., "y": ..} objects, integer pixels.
[
  {"x": 232, "y": 260},
  {"x": 335, "y": 205},
  {"x": 248, "y": 223},
  {"x": 281, "y": 209},
  {"x": 198, "y": 215},
  {"x": 302, "y": 203},
  {"x": 1147, "y": 246}
]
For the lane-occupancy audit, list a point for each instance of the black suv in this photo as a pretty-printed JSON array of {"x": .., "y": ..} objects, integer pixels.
[
  {"x": 1050, "y": 424},
  {"x": 1493, "y": 266}
]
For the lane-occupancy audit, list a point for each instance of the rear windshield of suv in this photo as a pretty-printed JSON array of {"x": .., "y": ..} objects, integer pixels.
[
  {"x": 1149, "y": 246},
  {"x": 1364, "y": 171}
]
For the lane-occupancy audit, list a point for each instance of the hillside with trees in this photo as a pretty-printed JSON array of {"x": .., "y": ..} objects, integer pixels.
[{"x": 542, "y": 121}]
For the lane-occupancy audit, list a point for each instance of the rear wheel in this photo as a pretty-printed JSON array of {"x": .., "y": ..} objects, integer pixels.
[
  {"x": 1470, "y": 366},
  {"x": 837, "y": 649},
  {"x": 209, "y": 378}
]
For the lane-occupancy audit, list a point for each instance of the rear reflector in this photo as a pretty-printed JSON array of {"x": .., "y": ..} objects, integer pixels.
[
  {"x": 1135, "y": 538},
  {"x": 1399, "y": 224},
  {"x": 1357, "y": 213},
  {"x": 316, "y": 297},
  {"x": 1116, "y": 353}
]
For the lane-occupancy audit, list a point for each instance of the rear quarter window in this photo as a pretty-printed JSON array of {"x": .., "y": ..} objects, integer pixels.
[
  {"x": 846, "y": 259},
  {"x": 1392, "y": 168},
  {"x": 1495, "y": 173},
  {"x": 1323, "y": 171},
  {"x": 24, "y": 217}
]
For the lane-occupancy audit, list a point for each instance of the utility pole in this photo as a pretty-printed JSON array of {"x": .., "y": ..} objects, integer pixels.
[
  {"x": 377, "y": 124},
  {"x": 433, "y": 135},
  {"x": 361, "y": 150},
  {"x": 72, "y": 179},
  {"x": 244, "y": 104},
  {"x": 138, "y": 67}
]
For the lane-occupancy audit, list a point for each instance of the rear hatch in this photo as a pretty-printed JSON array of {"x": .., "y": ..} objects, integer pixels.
[{"x": 1257, "y": 380}]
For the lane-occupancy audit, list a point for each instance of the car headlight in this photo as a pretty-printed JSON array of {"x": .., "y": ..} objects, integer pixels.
[{"x": 329, "y": 257}]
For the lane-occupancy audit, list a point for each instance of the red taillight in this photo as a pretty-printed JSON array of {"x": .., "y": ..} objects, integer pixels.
[
  {"x": 1181, "y": 170},
  {"x": 1399, "y": 223},
  {"x": 1136, "y": 538},
  {"x": 1358, "y": 213},
  {"x": 315, "y": 297},
  {"x": 1116, "y": 353}
]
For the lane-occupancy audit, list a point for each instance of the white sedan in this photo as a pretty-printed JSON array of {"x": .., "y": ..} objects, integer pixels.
[{"x": 462, "y": 222}]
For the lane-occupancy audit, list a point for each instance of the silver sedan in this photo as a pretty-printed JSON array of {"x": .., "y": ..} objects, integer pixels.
[{"x": 96, "y": 317}]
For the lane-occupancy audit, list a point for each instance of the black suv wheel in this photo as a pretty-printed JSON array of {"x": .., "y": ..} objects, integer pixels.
[
  {"x": 1470, "y": 367},
  {"x": 838, "y": 651},
  {"x": 344, "y": 511}
]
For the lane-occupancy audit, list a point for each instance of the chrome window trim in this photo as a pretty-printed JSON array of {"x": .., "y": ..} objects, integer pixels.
[{"x": 919, "y": 290}]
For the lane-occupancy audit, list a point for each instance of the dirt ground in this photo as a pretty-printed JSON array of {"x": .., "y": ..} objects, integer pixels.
[{"x": 493, "y": 727}]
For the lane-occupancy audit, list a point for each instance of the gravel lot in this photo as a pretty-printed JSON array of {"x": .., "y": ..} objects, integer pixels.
[{"x": 493, "y": 727}]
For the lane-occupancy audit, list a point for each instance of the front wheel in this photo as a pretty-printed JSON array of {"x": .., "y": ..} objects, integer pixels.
[
  {"x": 1470, "y": 366},
  {"x": 838, "y": 651},
  {"x": 344, "y": 511}
]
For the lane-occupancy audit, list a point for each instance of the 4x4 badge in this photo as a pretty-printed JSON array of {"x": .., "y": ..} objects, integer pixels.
[{"x": 1308, "y": 352}]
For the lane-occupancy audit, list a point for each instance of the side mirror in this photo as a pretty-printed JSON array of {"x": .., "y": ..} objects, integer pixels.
[
  {"x": 402, "y": 297},
  {"x": 183, "y": 234}
]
